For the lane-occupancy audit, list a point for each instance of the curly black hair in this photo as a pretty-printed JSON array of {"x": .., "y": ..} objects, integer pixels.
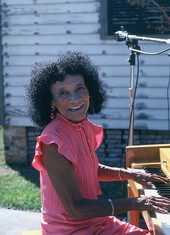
[{"x": 45, "y": 74}]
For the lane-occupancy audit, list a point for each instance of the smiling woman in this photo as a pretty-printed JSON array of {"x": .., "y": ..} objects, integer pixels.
[
  {"x": 43, "y": 83},
  {"x": 61, "y": 94}
]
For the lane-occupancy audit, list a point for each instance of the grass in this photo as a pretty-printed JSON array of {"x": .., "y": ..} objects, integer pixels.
[
  {"x": 19, "y": 185},
  {"x": 18, "y": 193}
]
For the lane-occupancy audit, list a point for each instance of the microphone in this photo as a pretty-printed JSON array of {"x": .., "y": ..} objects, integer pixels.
[
  {"x": 121, "y": 36},
  {"x": 168, "y": 41}
]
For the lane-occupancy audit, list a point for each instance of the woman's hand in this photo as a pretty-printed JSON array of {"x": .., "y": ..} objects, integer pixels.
[
  {"x": 144, "y": 203},
  {"x": 146, "y": 179},
  {"x": 150, "y": 203}
]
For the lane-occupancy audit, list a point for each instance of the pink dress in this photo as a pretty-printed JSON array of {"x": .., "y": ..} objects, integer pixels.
[{"x": 77, "y": 142}]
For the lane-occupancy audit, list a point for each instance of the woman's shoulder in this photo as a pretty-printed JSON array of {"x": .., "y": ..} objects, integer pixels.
[{"x": 94, "y": 127}]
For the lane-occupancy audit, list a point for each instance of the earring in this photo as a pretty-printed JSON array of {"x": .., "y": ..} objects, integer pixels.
[{"x": 52, "y": 112}]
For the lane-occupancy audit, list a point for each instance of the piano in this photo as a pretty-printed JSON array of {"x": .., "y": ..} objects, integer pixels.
[{"x": 154, "y": 159}]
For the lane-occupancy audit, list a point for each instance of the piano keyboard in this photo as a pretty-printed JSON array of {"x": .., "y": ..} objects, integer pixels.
[
  {"x": 161, "y": 190},
  {"x": 140, "y": 156},
  {"x": 164, "y": 219}
]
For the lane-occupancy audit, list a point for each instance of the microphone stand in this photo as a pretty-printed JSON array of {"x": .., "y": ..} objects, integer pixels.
[{"x": 133, "y": 44}]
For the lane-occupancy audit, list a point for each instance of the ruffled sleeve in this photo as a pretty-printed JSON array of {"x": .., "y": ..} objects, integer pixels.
[
  {"x": 50, "y": 139},
  {"x": 98, "y": 131}
]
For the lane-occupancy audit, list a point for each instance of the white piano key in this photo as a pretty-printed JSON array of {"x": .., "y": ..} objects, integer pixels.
[
  {"x": 151, "y": 192},
  {"x": 164, "y": 220}
]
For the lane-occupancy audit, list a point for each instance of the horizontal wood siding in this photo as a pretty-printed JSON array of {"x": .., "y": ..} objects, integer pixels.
[
  {"x": 38, "y": 30},
  {"x": 1, "y": 84}
]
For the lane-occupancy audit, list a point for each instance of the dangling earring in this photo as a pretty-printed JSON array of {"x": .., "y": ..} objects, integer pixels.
[{"x": 52, "y": 112}]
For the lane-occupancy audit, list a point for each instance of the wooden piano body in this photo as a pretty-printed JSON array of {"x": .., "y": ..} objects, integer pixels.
[{"x": 138, "y": 156}]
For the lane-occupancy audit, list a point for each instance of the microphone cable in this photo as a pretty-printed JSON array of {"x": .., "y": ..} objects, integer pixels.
[{"x": 149, "y": 53}]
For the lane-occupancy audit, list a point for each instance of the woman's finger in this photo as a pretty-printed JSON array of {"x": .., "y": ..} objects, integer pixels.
[
  {"x": 155, "y": 177},
  {"x": 160, "y": 209},
  {"x": 151, "y": 177}
]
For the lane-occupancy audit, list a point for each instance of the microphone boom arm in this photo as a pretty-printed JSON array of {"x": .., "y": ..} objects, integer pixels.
[{"x": 123, "y": 35}]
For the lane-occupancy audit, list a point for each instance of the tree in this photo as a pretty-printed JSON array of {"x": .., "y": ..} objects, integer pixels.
[{"x": 155, "y": 14}]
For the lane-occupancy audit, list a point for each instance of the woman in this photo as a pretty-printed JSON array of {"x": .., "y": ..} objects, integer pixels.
[{"x": 61, "y": 94}]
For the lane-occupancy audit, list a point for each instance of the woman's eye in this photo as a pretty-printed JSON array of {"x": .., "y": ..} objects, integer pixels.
[
  {"x": 81, "y": 88},
  {"x": 62, "y": 94}
]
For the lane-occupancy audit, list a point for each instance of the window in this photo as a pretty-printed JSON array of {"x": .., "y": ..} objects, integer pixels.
[{"x": 138, "y": 17}]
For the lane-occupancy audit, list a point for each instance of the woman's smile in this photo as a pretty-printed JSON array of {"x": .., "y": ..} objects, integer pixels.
[{"x": 76, "y": 108}]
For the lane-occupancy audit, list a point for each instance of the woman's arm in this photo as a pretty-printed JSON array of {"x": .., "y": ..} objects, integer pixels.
[
  {"x": 107, "y": 173},
  {"x": 66, "y": 185}
]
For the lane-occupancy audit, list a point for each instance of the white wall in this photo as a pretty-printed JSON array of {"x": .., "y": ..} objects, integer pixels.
[{"x": 36, "y": 30}]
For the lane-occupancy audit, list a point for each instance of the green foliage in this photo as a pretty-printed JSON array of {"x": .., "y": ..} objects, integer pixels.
[
  {"x": 18, "y": 193},
  {"x": 19, "y": 185},
  {"x": 160, "y": 20},
  {"x": 141, "y": 3},
  {"x": 2, "y": 161}
]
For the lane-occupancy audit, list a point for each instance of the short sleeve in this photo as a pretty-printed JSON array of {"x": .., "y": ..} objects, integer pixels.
[
  {"x": 95, "y": 133},
  {"x": 51, "y": 139}
]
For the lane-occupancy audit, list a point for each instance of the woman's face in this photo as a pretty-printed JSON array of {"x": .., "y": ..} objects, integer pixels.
[{"x": 71, "y": 98}]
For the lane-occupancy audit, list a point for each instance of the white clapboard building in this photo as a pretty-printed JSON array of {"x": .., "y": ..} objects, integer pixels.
[{"x": 38, "y": 30}]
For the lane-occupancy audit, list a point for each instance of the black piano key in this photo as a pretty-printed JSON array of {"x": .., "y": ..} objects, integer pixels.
[
  {"x": 155, "y": 170},
  {"x": 163, "y": 186},
  {"x": 165, "y": 195},
  {"x": 163, "y": 191}
]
